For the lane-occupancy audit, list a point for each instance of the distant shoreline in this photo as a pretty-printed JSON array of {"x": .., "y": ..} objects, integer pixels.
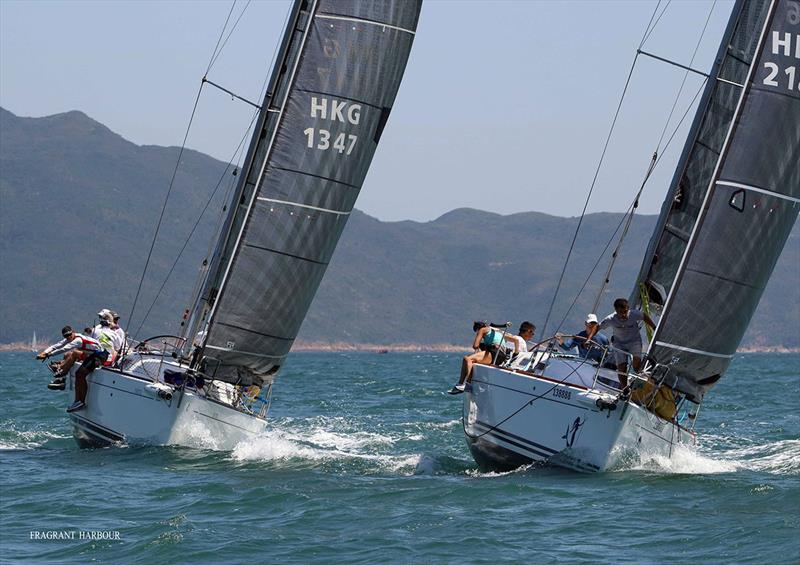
[{"x": 342, "y": 347}]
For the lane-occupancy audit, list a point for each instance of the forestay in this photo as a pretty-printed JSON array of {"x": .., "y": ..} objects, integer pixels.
[
  {"x": 332, "y": 88},
  {"x": 733, "y": 200}
]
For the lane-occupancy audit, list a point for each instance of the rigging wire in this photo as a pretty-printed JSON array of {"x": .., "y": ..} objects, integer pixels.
[
  {"x": 224, "y": 43},
  {"x": 655, "y": 160},
  {"x": 630, "y": 208},
  {"x": 194, "y": 228},
  {"x": 214, "y": 56},
  {"x": 652, "y": 29},
  {"x": 219, "y": 39},
  {"x": 164, "y": 206},
  {"x": 686, "y": 76},
  {"x": 589, "y": 196},
  {"x": 647, "y": 31}
]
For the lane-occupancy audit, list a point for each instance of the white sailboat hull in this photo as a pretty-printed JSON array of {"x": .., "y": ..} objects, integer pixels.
[
  {"x": 127, "y": 407},
  {"x": 512, "y": 418}
]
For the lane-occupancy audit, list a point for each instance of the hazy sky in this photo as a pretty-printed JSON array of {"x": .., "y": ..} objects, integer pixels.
[{"x": 504, "y": 107}]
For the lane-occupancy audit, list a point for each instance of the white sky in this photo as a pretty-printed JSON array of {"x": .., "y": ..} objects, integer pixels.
[{"x": 504, "y": 107}]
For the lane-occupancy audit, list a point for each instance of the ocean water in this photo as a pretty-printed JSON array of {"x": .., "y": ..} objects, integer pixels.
[{"x": 365, "y": 462}]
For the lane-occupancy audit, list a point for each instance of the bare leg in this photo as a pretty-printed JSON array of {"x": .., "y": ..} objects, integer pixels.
[
  {"x": 80, "y": 384},
  {"x": 481, "y": 358},
  {"x": 466, "y": 367}
]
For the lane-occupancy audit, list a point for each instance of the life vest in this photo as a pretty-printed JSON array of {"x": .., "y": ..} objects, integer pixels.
[{"x": 492, "y": 338}]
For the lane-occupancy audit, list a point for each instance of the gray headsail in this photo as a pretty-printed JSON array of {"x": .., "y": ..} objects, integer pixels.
[
  {"x": 332, "y": 88},
  {"x": 733, "y": 201}
]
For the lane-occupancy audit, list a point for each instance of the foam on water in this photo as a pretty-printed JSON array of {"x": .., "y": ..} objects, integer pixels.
[
  {"x": 685, "y": 460},
  {"x": 12, "y": 438}
]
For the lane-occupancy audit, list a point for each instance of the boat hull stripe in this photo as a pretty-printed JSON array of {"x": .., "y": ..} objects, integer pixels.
[
  {"x": 96, "y": 429},
  {"x": 548, "y": 451}
]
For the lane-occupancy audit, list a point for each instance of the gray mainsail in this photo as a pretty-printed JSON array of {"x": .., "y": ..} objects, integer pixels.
[
  {"x": 733, "y": 200},
  {"x": 332, "y": 88}
]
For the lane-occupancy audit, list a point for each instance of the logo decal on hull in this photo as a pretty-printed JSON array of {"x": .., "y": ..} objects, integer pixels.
[{"x": 572, "y": 429}]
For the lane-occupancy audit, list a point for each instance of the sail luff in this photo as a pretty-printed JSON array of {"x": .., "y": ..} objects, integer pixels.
[
  {"x": 714, "y": 177},
  {"x": 691, "y": 139},
  {"x": 750, "y": 203},
  {"x": 342, "y": 75},
  {"x": 263, "y": 168},
  {"x": 219, "y": 262}
]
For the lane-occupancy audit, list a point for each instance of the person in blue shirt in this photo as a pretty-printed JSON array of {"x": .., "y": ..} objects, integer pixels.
[{"x": 591, "y": 351}]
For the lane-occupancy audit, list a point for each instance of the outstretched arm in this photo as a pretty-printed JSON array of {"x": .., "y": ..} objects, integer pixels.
[{"x": 649, "y": 321}]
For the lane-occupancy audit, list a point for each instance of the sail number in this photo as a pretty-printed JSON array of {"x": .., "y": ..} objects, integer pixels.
[
  {"x": 788, "y": 45},
  {"x": 321, "y": 138},
  {"x": 335, "y": 111}
]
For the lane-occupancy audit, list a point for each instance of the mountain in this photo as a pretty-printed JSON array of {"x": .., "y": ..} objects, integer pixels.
[{"x": 79, "y": 206}]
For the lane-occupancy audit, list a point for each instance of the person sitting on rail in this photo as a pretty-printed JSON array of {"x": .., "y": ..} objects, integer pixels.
[
  {"x": 487, "y": 345},
  {"x": 96, "y": 355}
]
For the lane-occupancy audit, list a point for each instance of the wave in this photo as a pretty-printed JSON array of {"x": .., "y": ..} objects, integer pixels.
[{"x": 12, "y": 439}]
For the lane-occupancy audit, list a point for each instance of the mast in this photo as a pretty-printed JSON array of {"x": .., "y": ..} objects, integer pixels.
[
  {"x": 220, "y": 259},
  {"x": 748, "y": 208},
  {"x": 331, "y": 93}
]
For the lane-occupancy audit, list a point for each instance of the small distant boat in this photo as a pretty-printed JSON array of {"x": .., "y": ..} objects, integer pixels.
[
  {"x": 333, "y": 85},
  {"x": 383, "y": 351},
  {"x": 731, "y": 205},
  {"x": 33, "y": 343}
]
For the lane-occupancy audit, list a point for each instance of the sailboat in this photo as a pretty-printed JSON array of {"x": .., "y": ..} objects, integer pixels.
[
  {"x": 730, "y": 207},
  {"x": 328, "y": 99},
  {"x": 33, "y": 343}
]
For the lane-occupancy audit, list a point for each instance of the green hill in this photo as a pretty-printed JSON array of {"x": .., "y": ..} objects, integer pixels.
[{"x": 79, "y": 205}]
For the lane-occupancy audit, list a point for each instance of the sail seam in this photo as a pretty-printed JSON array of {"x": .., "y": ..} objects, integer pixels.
[
  {"x": 757, "y": 189},
  {"x": 789, "y": 95},
  {"x": 347, "y": 184},
  {"x": 250, "y": 353},
  {"x": 285, "y": 254},
  {"x": 718, "y": 277},
  {"x": 234, "y": 326},
  {"x": 265, "y": 199},
  {"x": 690, "y": 350},
  {"x": 363, "y": 21},
  {"x": 706, "y": 146}
]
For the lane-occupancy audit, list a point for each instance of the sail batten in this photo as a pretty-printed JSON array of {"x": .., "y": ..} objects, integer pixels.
[
  {"x": 742, "y": 218},
  {"x": 334, "y": 85}
]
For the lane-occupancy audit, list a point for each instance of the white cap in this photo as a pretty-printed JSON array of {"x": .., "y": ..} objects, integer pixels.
[
  {"x": 105, "y": 314},
  {"x": 591, "y": 319}
]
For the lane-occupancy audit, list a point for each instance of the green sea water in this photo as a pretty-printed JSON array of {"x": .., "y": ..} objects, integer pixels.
[{"x": 365, "y": 462}]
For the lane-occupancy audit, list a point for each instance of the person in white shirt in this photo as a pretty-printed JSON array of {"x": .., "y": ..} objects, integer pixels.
[
  {"x": 525, "y": 334},
  {"x": 95, "y": 354}
]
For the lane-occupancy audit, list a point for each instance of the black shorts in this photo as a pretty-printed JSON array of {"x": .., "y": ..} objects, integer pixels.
[{"x": 95, "y": 360}]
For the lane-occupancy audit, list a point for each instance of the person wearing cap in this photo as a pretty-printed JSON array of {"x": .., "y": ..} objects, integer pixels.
[
  {"x": 119, "y": 335},
  {"x": 626, "y": 324},
  {"x": 594, "y": 350},
  {"x": 104, "y": 333}
]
